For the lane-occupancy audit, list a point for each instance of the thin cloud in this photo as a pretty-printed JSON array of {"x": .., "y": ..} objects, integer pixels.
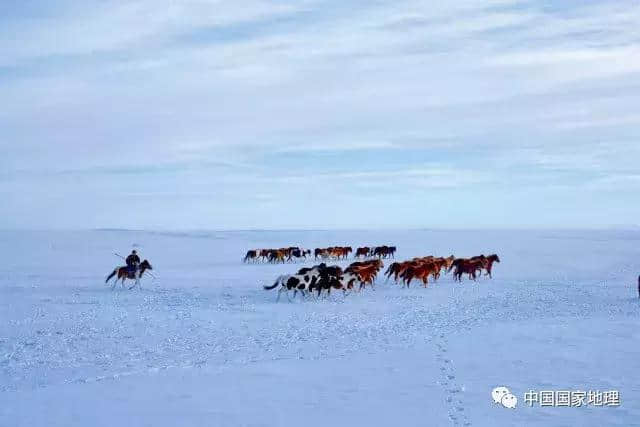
[{"x": 311, "y": 102}]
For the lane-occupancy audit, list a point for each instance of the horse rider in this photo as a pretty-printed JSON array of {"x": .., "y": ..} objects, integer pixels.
[{"x": 133, "y": 260}]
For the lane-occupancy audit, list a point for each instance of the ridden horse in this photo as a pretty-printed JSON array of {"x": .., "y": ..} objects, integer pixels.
[{"x": 125, "y": 273}]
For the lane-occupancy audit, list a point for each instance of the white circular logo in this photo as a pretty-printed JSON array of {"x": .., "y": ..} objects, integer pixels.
[{"x": 502, "y": 396}]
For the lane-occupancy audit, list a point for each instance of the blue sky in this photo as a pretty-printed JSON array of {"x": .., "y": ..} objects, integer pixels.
[{"x": 319, "y": 114}]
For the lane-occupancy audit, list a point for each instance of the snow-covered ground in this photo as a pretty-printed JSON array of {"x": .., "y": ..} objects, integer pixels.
[{"x": 204, "y": 344}]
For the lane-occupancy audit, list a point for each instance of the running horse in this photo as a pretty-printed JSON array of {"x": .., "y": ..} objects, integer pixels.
[{"x": 125, "y": 273}]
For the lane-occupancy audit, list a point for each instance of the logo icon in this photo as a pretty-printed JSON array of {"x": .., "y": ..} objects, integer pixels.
[{"x": 501, "y": 395}]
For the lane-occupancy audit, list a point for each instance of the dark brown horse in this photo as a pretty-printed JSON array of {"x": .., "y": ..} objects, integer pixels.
[
  {"x": 362, "y": 252},
  {"x": 489, "y": 263},
  {"x": 125, "y": 273},
  {"x": 471, "y": 267},
  {"x": 397, "y": 269}
]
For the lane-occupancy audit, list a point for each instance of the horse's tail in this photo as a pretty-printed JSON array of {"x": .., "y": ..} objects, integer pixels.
[
  {"x": 277, "y": 282},
  {"x": 111, "y": 275}
]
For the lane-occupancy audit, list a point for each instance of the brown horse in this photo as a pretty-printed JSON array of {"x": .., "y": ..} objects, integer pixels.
[
  {"x": 449, "y": 260},
  {"x": 422, "y": 272},
  {"x": 395, "y": 268},
  {"x": 362, "y": 252},
  {"x": 470, "y": 267},
  {"x": 124, "y": 273},
  {"x": 489, "y": 263}
]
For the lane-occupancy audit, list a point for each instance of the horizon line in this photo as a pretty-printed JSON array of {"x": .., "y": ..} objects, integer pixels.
[{"x": 626, "y": 227}]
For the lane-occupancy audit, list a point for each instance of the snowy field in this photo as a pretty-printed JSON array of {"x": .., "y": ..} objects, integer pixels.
[{"x": 204, "y": 345}]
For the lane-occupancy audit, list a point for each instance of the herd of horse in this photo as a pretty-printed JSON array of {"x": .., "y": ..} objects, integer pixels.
[
  {"x": 321, "y": 277},
  {"x": 357, "y": 276},
  {"x": 360, "y": 274},
  {"x": 276, "y": 255},
  {"x": 421, "y": 268},
  {"x": 294, "y": 253},
  {"x": 376, "y": 251}
]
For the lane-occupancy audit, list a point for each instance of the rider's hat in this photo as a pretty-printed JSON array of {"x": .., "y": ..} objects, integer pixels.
[{"x": 133, "y": 251}]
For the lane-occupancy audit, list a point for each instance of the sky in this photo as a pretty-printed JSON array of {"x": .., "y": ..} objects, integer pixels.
[{"x": 159, "y": 114}]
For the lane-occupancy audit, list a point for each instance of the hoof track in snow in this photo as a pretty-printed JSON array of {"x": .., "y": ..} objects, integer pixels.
[{"x": 452, "y": 391}]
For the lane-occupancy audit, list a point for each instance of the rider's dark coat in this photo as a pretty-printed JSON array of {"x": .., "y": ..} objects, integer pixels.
[{"x": 132, "y": 261}]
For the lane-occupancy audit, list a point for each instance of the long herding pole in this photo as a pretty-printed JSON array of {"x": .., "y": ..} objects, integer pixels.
[{"x": 148, "y": 272}]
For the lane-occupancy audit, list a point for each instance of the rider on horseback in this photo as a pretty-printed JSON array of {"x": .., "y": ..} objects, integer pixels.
[{"x": 133, "y": 260}]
